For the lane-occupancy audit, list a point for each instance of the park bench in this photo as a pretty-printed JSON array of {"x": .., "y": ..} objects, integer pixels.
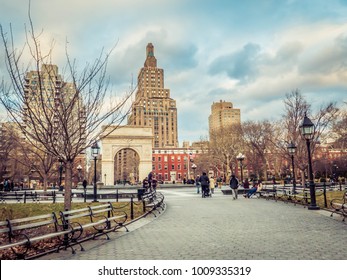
[
  {"x": 101, "y": 219},
  {"x": 302, "y": 196},
  {"x": 339, "y": 205},
  {"x": 153, "y": 201},
  {"x": 282, "y": 193},
  {"x": 50, "y": 196},
  {"x": 18, "y": 196},
  {"x": 23, "y": 235},
  {"x": 226, "y": 190},
  {"x": 267, "y": 192}
]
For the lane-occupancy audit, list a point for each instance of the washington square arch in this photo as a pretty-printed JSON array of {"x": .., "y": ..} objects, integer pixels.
[{"x": 126, "y": 153}]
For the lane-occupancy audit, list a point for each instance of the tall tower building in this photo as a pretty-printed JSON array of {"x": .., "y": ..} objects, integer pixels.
[
  {"x": 153, "y": 105},
  {"x": 223, "y": 115},
  {"x": 53, "y": 103}
]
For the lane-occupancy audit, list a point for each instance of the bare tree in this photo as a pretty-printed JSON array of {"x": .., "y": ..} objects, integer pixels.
[
  {"x": 61, "y": 119},
  {"x": 340, "y": 130},
  {"x": 295, "y": 109},
  {"x": 224, "y": 146},
  {"x": 257, "y": 137},
  {"x": 8, "y": 150},
  {"x": 203, "y": 160}
]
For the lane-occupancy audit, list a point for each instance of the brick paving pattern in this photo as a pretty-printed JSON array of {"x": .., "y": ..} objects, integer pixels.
[{"x": 219, "y": 228}]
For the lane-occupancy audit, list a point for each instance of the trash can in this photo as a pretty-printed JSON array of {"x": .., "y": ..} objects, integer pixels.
[{"x": 140, "y": 193}]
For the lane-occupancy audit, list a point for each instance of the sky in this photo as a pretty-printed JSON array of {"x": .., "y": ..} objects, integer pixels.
[{"x": 251, "y": 53}]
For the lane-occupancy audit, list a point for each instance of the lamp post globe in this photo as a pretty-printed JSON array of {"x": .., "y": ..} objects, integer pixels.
[
  {"x": 240, "y": 157},
  {"x": 194, "y": 168},
  {"x": 307, "y": 132},
  {"x": 79, "y": 170},
  {"x": 291, "y": 150}
]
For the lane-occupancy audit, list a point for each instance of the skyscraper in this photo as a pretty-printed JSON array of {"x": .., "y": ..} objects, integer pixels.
[
  {"x": 54, "y": 104},
  {"x": 153, "y": 105},
  {"x": 223, "y": 115}
]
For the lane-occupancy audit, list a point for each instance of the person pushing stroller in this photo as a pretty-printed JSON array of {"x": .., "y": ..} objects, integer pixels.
[{"x": 205, "y": 185}]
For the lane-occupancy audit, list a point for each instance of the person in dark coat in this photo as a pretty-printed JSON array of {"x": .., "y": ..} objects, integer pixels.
[
  {"x": 149, "y": 178},
  {"x": 234, "y": 184},
  {"x": 205, "y": 184}
]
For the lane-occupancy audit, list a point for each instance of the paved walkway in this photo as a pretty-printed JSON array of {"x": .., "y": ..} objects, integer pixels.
[{"x": 221, "y": 228}]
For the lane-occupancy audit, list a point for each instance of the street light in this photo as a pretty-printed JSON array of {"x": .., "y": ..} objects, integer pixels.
[
  {"x": 240, "y": 157},
  {"x": 194, "y": 168},
  {"x": 79, "y": 170},
  {"x": 291, "y": 150},
  {"x": 95, "y": 153},
  {"x": 307, "y": 131},
  {"x": 335, "y": 172}
]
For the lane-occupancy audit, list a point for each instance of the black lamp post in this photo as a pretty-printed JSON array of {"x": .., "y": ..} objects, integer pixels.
[
  {"x": 194, "y": 168},
  {"x": 95, "y": 153},
  {"x": 79, "y": 170},
  {"x": 291, "y": 149},
  {"x": 307, "y": 131},
  {"x": 240, "y": 157},
  {"x": 335, "y": 173},
  {"x": 60, "y": 172}
]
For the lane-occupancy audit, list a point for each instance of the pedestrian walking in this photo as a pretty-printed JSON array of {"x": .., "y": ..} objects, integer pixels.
[
  {"x": 197, "y": 184},
  {"x": 6, "y": 185},
  {"x": 212, "y": 184},
  {"x": 145, "y": 184},
  {"x": 219, "y": 182},
  {"x": 154, "y": 184},
  {"x": 234, "y": 184},
  {"x": 205, "y": 185},
  {"x": 149, "y": 179}
]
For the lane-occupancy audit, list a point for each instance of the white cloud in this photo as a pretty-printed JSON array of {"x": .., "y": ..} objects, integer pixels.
[{"x": 241, "y": 51}]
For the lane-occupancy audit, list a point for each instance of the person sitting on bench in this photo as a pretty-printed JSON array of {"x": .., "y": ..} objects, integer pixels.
[{"x": 257, "y": 186}]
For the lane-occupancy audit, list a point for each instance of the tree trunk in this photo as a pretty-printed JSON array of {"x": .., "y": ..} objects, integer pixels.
[
  {"x": 68, "y": 185},
  {"x": 45, "y": 183},
  {"x": 302, "y": 172}
]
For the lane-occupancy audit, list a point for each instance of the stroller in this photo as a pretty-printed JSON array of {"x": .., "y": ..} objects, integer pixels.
[{"x": 205, "y": 191}]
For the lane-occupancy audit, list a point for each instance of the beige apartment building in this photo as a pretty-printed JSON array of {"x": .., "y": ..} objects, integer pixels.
[
  {"x": 49, "y": 100},
  {"x": 153, "y": 105},
  {"x": 223, "y": 114},
  {"x": 57, "y": 109}
]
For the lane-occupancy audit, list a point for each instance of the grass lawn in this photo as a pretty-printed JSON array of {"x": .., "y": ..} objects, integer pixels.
[{"x": 21, "y": 210}]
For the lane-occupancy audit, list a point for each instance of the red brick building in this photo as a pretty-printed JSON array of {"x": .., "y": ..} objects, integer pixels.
[{"x": 173, "y": 164}]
